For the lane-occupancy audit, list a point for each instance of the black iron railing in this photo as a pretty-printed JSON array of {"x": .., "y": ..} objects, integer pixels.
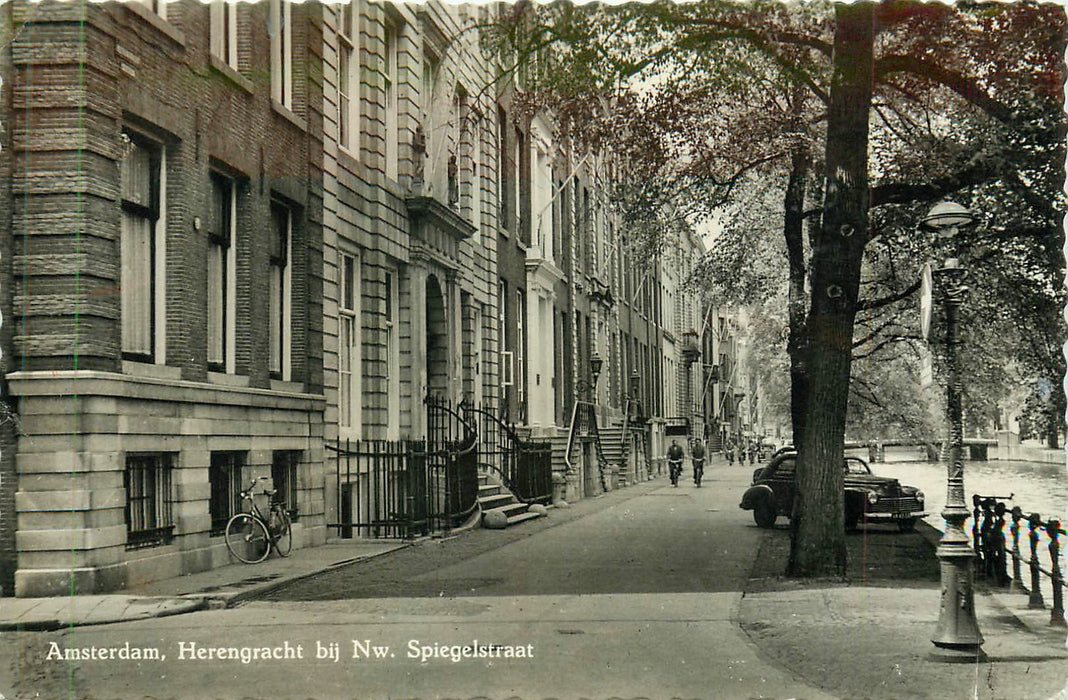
[
  {"x": 524, "y": 466},
  {"x": 991, "y": 548},
  {"x": 403, "y": 489},
  {"x": 452, "y": 448},
  {"x": 383, "y": 488},
  {"x": 584, "y": 426}
]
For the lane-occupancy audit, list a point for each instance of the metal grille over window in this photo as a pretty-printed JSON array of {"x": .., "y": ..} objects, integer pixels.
[
  {"x": 392, "y": 373},
  {"x": 224, "y": 479},
  {"x": 149, "y": 515},
  {"x": 284, "y": 475}
]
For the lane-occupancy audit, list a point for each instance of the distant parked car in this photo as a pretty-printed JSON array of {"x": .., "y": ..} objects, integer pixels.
[{"x": 867, "y": 496}]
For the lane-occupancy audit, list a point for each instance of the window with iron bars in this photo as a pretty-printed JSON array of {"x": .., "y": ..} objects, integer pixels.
[
  {"x": 284, "y": 475},
  {"x": 149, "y": 498},
  {"x": 224, "y": 478}
]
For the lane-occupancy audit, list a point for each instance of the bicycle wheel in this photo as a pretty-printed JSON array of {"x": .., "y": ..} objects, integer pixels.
[
  {"x": 247, "y": 538},
  {"x": 283, "y": 532}
]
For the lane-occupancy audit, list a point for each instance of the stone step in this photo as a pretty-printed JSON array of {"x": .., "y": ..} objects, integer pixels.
[
  {"x": 495, "y": 501},
  {"x": 522, "y": 517},
  {"x": 512, "y": 509},
  {"x": 488, "y": 490},
  {"x": 502, "y": 517}
]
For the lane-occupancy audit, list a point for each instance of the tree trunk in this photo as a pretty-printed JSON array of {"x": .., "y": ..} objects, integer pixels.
[
  {"x": 818, "y": 533},
  {"x": 793, "y": 230}
]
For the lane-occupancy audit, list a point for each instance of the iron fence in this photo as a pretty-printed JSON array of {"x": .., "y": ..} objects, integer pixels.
[
  {"x": 991, "y": 548},
  {"x": 407, "y": 488}
]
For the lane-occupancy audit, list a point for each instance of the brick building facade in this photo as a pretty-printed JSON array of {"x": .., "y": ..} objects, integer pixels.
[{"x": 165, "y": 337}]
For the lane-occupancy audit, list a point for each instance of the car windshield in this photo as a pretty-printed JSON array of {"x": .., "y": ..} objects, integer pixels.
[{"x": 856, "y": 466}]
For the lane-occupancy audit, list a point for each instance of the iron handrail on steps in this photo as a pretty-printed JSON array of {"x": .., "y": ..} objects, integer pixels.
[
  {"x": 452, "y": 451},
  {"x": 583, "y": 413},
  {"x": 571, "y": 439},
  {"x": 537, "y": 487}
]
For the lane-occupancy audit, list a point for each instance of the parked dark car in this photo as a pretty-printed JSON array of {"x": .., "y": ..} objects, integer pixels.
[{"x": 867, "y": 496}]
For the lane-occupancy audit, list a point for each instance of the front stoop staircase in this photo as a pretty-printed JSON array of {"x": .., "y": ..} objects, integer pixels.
[
  {"x": 500, "y": 509},
  {"x": 559, "y": 445},
  {"x": 613, "y": 450},
  {"x": 715, "y": 442}
]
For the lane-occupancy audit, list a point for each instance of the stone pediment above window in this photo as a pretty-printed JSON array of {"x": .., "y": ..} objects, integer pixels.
[
  {"x": 432, "y": 32},
  {"x": 428, "y": 211}
]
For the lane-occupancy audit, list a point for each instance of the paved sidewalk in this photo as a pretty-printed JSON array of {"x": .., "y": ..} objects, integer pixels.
[
  {"x": 219, "y": 588},
  {"x": 216, "y": 588},
  {"x": 874, "y": 631}
]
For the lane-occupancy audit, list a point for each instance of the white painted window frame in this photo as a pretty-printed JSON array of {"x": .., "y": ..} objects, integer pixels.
[
  {"x": 158, "y": 264},
  {"x": 350, "y": 348},
  {"x": 520, "y": 349},
  {"x": 392, "y": 33},
  {"x": 281, "y": 33},
  {"x": 224, "y": 31},
  {"x": 286, "y": 303},
  {"x": 390, "y": 325},
  {"x": 159, "y": 7},
  {"x": 229, "y": 290},
  {"x": 349, "y": 107}
]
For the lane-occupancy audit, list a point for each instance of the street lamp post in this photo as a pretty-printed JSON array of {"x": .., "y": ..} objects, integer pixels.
[
  {"x": 596, "y": 363},
  {"x": 957, "y": 637},
  {"x": 588, "y": 390}
]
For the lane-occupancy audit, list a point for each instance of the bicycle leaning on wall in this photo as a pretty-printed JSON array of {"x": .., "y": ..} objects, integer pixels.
[{"x": 250, "y": 536}]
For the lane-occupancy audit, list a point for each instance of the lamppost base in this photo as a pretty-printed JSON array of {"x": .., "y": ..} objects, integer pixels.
[
  {"x": 957, "y": 638},
  {"x": 958, "y": 654}
]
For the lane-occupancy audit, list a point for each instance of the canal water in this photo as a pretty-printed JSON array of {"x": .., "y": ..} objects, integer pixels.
[{"x": 1035, "y": 487}]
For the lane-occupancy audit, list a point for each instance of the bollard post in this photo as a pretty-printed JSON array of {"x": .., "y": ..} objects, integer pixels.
[
  {"x": 1017, "y": 582},
  {"x": 1035, "y": 601},
  {"x": 1056, "y": 616}
]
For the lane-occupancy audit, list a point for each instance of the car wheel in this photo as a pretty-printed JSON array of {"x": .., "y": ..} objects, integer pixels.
[
  {"x": 906, "y": 525},
  {"x": 764, "y": 514}
]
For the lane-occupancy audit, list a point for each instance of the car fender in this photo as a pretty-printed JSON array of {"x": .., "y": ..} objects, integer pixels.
[{"x": 754, "y": 495}]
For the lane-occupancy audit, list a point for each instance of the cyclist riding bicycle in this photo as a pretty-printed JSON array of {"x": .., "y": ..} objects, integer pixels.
[
  {"x": 674, "y": 458},
  {"x": 697, "y": 455}
]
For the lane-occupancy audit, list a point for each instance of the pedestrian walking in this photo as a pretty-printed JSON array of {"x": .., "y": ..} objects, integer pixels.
[{"x": 728, "y": 451}]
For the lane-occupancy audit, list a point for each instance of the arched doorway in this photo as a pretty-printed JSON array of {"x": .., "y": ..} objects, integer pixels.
[{"x": 437, "y": 339}]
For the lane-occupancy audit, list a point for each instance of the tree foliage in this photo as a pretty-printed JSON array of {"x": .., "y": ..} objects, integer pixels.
[{"x": 885, "y": 108}]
